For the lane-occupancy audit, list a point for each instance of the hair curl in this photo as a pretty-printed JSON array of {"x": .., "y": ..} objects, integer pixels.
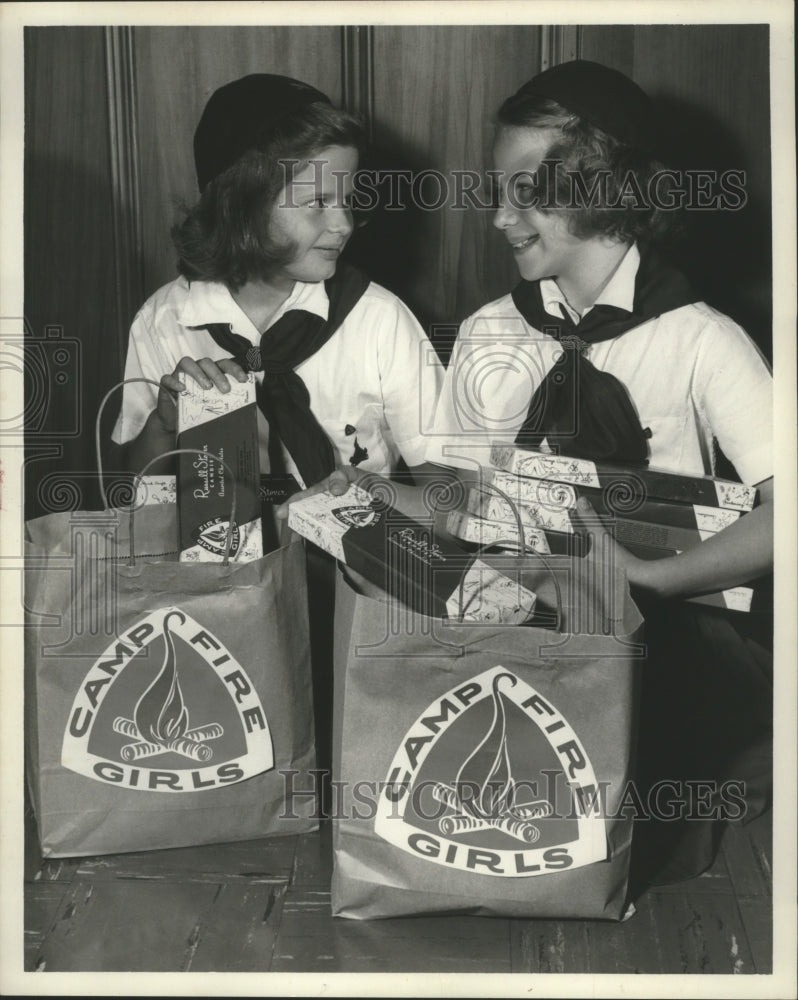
[
  {"x": 224, "y": 236},
  {"x": 608, "y": 175}
]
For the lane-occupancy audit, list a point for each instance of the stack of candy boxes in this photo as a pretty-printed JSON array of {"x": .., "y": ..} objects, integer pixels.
[{"x": 652, "y": 513}]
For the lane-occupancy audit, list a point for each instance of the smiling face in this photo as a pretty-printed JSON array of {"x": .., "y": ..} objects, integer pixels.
[
  {"x": 542, "y": 245},
  {"x": 312, "y": 214}
]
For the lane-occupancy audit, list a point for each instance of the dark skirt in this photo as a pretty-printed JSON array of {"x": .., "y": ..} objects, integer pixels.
[{"x": 705, "y": 740}]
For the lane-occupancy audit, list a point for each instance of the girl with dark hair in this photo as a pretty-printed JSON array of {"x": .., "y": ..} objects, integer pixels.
[
  {"x": 345, "y": 374},
  {"x": 344, "y": 371}
]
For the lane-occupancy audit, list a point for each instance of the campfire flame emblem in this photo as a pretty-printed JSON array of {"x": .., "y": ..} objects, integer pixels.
[
  {"x": 160, "y": 720},
  {"x": 213, "y": 536},
  {"x": 484, "y": 792}
]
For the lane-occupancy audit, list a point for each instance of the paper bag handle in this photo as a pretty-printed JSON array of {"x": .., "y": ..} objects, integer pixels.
[
  {"x": 228, "y": 541},
  {"x": 522, "y": 551},
  {"x": 100, "y": 411},
  {"x": 139, "y": 476}
]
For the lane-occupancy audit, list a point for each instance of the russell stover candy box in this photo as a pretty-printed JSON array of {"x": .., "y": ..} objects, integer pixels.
[
  {"x": 479, "y": 531},
  {"x": 504, "y": 534},
  {"x": 644, "y": 540},
  {"x": 539, "y": 505},
  {"x": 656, "y": 484},
  {"x": 548, "y": 498},
  {"x": 273, "y": 490},
  {"x": 694, "y": 517},
  {"x": 408, "y": 560},
  {"x": 502, "y": 531},
  {"x": 218, "y": 425},
  {"x": 620, "y": 504}
]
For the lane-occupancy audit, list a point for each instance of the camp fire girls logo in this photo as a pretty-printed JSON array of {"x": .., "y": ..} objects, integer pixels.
[
  {"x": 492, "y": 779},
  {"x": 167, "y": 708},
  {"x": 212, "y": 535},
  {"x": 358, "y": 517}
]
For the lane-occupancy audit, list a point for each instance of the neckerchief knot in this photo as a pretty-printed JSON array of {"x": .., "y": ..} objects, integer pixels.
[
  {"x": 282, "y": 396},
  {"x": 577, "y": 409}
]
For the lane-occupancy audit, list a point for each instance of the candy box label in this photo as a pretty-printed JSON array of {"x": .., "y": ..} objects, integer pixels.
[
  {"x": 408, "y": 560},
  {"x": 220, "y": 427}
]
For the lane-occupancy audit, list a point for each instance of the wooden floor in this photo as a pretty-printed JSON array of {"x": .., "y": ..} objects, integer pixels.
[{"x": 265, "y": 906}]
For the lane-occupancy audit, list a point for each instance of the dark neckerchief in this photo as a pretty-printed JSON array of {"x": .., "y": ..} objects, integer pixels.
[
  {"x": 579, "y": 410},
  {"x": 283, "y": 396}
]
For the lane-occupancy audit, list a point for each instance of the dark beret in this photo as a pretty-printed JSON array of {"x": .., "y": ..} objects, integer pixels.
[
  {"x": 240, "y": 113},
  {"x": 600, "y": 95}
]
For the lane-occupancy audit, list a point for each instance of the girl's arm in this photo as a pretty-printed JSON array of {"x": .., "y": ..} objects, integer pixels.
[
  {"x": 414, "y": 501},
  {"x": 154, "y": 439},
  {"x": 734, "y": 556},
  {"x": 731, "y": 557}
]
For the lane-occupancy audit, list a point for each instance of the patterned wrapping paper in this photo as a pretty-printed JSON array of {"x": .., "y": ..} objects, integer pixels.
[
  {"x": 496, "y": 521},
  {"x": 539, "y": 492},
  {"x": 734, "y": 599},
  {"x": 479, "y": 531},
  {"x": 653, "y": 483},
  {"x": 491, "y": 598},
  {"x": 617, "y": 499},
  {"x": 155, "y": 489},
  {"x": 534, "y": 513},
  {"x": 406, "y": 559},
  {"x": 225, "y": 425}
]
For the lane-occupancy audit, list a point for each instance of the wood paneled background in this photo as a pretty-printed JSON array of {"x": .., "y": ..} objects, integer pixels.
[
  {"x": 110, "y": 115},
  {"x": 435, "y": 93},
  {"x": 712, "y": 91},
  {"x": 70, "y": 284},
  {"x": 176, "y": 71}
]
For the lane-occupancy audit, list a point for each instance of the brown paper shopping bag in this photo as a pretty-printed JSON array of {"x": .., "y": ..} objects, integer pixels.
[
  {"x": 482, "y": 769},
  {"x": 167, "y": 703}
]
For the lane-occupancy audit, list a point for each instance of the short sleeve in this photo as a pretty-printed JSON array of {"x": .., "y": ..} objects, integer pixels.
[
  {"x": 457, "y": 437},
  {"x": 143, "y": 361},
  {"x": 410, "y": 375},
  {"x": 733, "y": 389}
]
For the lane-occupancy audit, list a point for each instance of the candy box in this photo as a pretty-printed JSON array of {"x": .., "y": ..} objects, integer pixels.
[
  {"x": 429, "y": 573},
  {"x": 537, "y": 505},
  {"x": 217, "y": 425},
  {"x": 647, "y": 482},
  {"x": 478, "y": 531}
]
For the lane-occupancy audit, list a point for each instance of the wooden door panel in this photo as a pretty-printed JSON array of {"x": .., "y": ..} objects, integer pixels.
[
  {"x": 711, "y": 87},
  {"x": 69, "y": 262},
  {"x": 436, "y": 89},
  {"x": 177, "y": 69}
]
